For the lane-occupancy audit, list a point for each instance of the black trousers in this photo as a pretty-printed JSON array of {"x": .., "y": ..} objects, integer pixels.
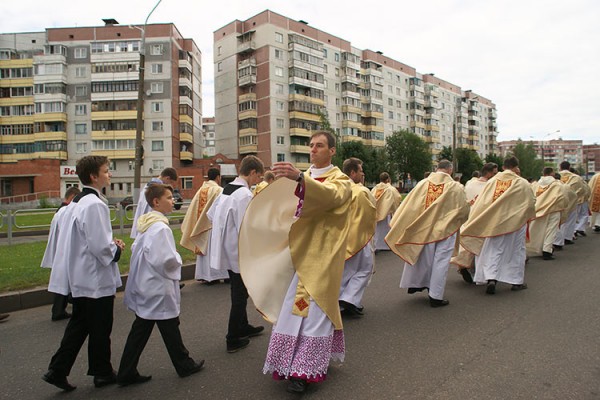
[
  {"x": 238, "y": 317},
  {"x": 138, "y": 337},
  {"x": 59, "y": 306},
  {"x": 93, "y": 318}
]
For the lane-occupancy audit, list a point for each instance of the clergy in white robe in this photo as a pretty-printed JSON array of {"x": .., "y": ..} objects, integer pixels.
[
  {"x": 567, "y": 230},
  {"x": 583, "y": 215},
  {"x": 196, "y": 228},
  {"x": 495, "y": 230},
  {"x": 594, "y": 202},
  {"x": 168, "y": 176},
  {"x": 152, "y": 291},
  {"x": 360, "y": 259},
  {"x": 85, "y": 264},
  {"x": 226, "y": 215},
  {"x": 387, "y": 200},
  {"x": 424, "y": 231}
]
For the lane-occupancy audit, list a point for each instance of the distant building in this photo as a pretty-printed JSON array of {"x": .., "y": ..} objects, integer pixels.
[
  {"x": 591, "y": 158},
  {"x": 552, "y": 151},
  {"x": 208, "y": 130}
]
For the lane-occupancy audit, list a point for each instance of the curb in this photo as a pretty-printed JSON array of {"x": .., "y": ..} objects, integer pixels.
[{"x": 21, "y": 300}]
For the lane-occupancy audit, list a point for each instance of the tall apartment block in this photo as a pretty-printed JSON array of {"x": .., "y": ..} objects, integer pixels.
[
  {"x": 275, "y": 77},
  {"x": 70, "y": 92},
  {"x": 553, "y": 151}
]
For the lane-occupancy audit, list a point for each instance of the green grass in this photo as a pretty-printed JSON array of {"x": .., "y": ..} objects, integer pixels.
[{"x": 20, "y": 267}]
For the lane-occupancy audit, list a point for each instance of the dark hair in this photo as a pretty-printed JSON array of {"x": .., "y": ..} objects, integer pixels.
[
  {"x": 475, "y": 174},
  {"x": 88, "y": 166},
  {"x": 72, "y": 192},
  {"x": 548, "y": 171},
  {"x": 511, "y": 162},
  {"x": 351, "y": 165},
  {"x": 444, "y": 164},
  {"x": 328, "y": 135},
  {"x": 213, "y": 173},
  {"x": 156, "y": 191},
  {"x": 169, "y": 173},
  {"x": 565, "y": 165},
  {"x": 269, "y": 176},
  {"x": 488, "y": 167},
  {"x": 250, "y": 163},
  {"x": 384, "y": 177}
]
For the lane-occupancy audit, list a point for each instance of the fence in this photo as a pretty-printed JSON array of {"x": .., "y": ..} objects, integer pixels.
[{"x": 28, "y": 220}]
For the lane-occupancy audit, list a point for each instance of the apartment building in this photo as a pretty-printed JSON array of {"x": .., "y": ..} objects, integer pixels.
[
  {"x": 276, "y": 77},
  {"x": 552, "y": 151},
  {"x": 70, "y": 92},
  {"x": 208, "y": 131}
]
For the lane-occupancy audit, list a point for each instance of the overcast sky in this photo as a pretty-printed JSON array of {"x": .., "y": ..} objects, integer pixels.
[{"x": 538, "y": 61}]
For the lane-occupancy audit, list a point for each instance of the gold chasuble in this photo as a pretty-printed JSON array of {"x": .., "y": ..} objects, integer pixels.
[
  {"x": 387, "y": 199},
  {"x": 433, "y": 211},
  {"x": 595, "y": 193},
  {"x": 259, "y": 187},
  {"x": 274, "y": 243},
  {"x": 550, "y": 196},
  {"x": 362, "y": 219},
  {"x": 576, "y": 183},
  {"x": 504, "y": 206},
  {"x": 195, "y": 228}
]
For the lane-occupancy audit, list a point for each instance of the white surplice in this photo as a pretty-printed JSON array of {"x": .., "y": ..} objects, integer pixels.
[
  {"x": 142, "y": 207},
  {"x": 203, "y": 269},
  {"x": 50, "y": 251},
  {"x": 567, "y": 229},
  {"x": 583, "y": 216},
  {"x": 357, "y": 275},
  {"x": 502, "y": 258},
  {"x": 381, "y": 230},
  {"x": 83, "y": 262},
  {"x": 542, "y": 233},
  {"x": 152, "y": 289}
]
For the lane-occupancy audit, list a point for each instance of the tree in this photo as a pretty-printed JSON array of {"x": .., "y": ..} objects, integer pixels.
[
  {"x": 408, "y": 154},
  {"x": 468, "y": 161},
  {"x": 494, "y": 158},
  {"x": 446, "y": 154},
  {"x": 529, "y": 164}
]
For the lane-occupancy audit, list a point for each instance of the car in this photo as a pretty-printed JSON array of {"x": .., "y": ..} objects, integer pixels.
[
  {"x": 126, "y": 201},
  {"x": 178, "y": 199}
]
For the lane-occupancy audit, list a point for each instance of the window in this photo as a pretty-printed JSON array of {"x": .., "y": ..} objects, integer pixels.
[
  {"x": 80, "y": 91},
  {"x": 278, "y": 54},
  {"x": 157, "y": 106},
  {"x": 157, "y": 126},
  {"x": 80, "y": 72},
  {"x": 337, "y": 57},
  {"x": 278, "y": 71},
  {"x": 158, "y": 145},
  {"x": 186, "y": 182},
  {"x": 278, "y": 37},
  {"x": 337, "y": 72},
  {"x": 280, "y": 106},
  {"x": 81, "y": 52},
  {"x": 337, "y": 87},
  {"x": 390, "y": 101},
  {"x": 219, "y": 50},
  {"x": 80, "y": 109},
  {"x": 219, "y": 66},
  {"x": 156, "y": 49},
  {"x": 280, "y": 123},
  {"x": 390, "y": 114},
  {"x": 280, "y": 157},
  {"x": 158, "y": 165},
  {"x": 81, "y": 148},
  {"x": 80, "y": 129},
  {"x": 280, "y": 139},
  {"x": 112, "y": 166},
  {"x": 156, "y": 87},
  {"x": 157, "y": 68},
  {"x": 279, "y": 88},
  {"x": 325, "y": 68}
]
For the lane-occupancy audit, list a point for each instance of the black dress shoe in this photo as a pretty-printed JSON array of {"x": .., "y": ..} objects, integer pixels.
[
  {"x": 349, "y": 309},
  {"x": 557, "y": 247},
  {"x": 195, "y": 368},
  {"x": 297, "y": 385},
  {"x": 60, "y": 317},
  {"x": 547, "y": 255},
  {"x": 134, "y": 380},
  {"x": 466, "y": 275},
  {"x": 416, "y": 289},
  {"x": 596, "y": 228},
  {"x": 580, "y": 233},
  {"x": 251, "y": 331},
  {"x": 181, "y": 286},
  {"x": 105, "y": 380},
  {"x": 238, "y": 344},
  {"x": 60, "y": 381},
  {"x": 491, "y": 287},
  {"x": 569, "y": 241},
  {"x": 435, "y": 303},
  {"x": 516, "y": 288}
]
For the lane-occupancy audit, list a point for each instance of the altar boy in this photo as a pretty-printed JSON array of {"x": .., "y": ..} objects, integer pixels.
[{"x": 152, "y": 290}]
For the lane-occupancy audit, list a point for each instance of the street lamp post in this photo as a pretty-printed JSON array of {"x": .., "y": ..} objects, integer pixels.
[{"x": 137, "y": 177}]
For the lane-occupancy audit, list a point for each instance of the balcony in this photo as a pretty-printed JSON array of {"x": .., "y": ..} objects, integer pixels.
[
  {"x": 247, "y": 114},
  {"x": 373, "y": 128},
  {"x": 248, "y": 132},
  {"x": 352, "y": 124},
  {"x": 431, "y": 139},
  {"x": 246, "y": 97},
  {"x": 43, "y": 136},
  {"x": 300, "y": 132},
  {"x": 108, "y": 135},
  {"x": 247, "y": 80},
  {"x": 57, "y": 116},
  {"x": 186, "y": 156},
  {"x": 352, "y": 109},
  {"x": 308, "y": 99},
  {"x": 248, "y": 149},
  {"x": 374, "y": 142},
  {"x": 115, "y": 154},
  {"x": 433, "y": 128},
  {"x": 186, "y": 137},
  {"x": 249, "y": 62},
  {"x": 304, "y": 116},
  {"x": 372, "y": 114},
  {"x": 298, "y": 148},
  {"x": 246, "y": 47},
  {"x": 350, "y": 138},
  {"x": 113, "y": 115}
]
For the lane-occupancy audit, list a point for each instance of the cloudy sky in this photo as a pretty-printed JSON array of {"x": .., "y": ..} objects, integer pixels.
[{"x": 538, "y": 61}]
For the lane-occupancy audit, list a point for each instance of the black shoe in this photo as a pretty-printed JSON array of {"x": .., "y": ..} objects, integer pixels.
[
  {"x": 349, "y": 309},
  {"x": 195, "y": 368},
  {"x": 596, "y": 228},
  {"x": 435, "y": 303},
  {"x": 415, "y": 289},
  {"x": 557, "y": 247},
  {"x": 235, "y": 345},
  {"x": 569, "y": 241},
  {"x": 491, "y": 287},
  {"x": 59, "y": 381},
  {"x": 60, "y": 317},
  {"x": 4, "y": 316},
  {"x": 547, "y": 256},
  {"x": 210, "y": 283},
  {"x": 226, "y": 280},
  {"x": 297, "y": 385},
  {"x": 105, "y": 380},
  {"x": 181, "y": 286},
  {"x": 466, "y": 275},
  {"x": 581, "y": 233},
  {"x": 134, "y": 380},
  {"x": 251, "y": 331},
  {"x": 516, "y": 288}
]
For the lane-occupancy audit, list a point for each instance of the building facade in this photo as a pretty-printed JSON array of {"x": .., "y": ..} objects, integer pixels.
[
  {"x": 208, "y": 130},
  {"x": 553, "y": 151},
  {"x": 70, "y": 92},
  {"x": 277, "y": 78}
]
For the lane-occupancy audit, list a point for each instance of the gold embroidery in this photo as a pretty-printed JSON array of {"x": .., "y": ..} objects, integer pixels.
[
  {"x": 501, "y": 187},
  {"x": 433, "y": 192},
  {"x": 379, "y": 193},
  {"x": 596, "y": 197},
  {"x": 541, "y": 190},
  {"x": 564, "y": 178},
  {"x": 202, "y": 200},
  {"x": 301, "y": 301}
]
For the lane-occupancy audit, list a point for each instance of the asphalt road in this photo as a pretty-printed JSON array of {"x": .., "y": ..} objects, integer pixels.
[{"x": 541, "y": 343}]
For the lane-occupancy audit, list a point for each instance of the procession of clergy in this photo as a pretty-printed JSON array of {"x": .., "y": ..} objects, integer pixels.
[{"x": 302, "y": 247}]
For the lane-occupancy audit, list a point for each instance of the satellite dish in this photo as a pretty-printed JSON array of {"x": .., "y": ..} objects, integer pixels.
[{"x": 148, "y": 92}]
